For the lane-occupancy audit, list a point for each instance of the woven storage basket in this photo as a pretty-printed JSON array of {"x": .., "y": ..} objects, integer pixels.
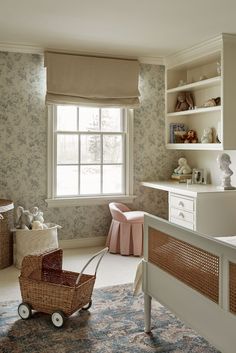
[
  {"x": 6, "y": 235},
  {"x": 29, "y": 241}
]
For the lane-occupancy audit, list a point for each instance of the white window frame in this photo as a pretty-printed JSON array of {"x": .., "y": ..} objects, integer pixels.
[{"x": 55, "y": 201}]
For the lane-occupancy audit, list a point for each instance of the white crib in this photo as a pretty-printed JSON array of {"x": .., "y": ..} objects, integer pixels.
[{"x": 194, "y": 276}]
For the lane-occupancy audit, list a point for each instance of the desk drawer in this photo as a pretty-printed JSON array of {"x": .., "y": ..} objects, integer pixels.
[
  {"x": 182, "y": 203},
  {"x": 180, "y": 222},
  {"x": 182, "y": 215}
]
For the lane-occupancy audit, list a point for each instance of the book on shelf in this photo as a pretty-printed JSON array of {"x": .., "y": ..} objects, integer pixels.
[
  {"x": 177, "y": 132},
  {"x": 182, "y": 178}
]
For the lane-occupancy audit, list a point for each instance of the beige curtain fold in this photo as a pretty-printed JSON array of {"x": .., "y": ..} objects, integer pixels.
[{"x": 88, "y": 80}]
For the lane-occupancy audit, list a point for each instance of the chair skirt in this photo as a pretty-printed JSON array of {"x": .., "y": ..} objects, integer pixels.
[{"x": 125, "y": 238}]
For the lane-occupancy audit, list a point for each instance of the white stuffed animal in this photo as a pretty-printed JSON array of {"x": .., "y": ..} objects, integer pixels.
[
  {"x": 207, "y": 136},
  {"x": 23, "y": 218}
]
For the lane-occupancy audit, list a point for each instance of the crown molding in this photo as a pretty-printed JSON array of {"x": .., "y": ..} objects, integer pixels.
[
  {"x": 33, "y": 49},
  {"x": 21, "y": 48},
  {"x": 151, "y": 60},
  {"x": 196, "y": 52}
]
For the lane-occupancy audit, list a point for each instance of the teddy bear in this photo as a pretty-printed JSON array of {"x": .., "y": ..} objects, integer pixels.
[
  {"x": 183, "y": 167},
  {"x": 184, "y": 101},
  {"x": 191, "y": 137}
]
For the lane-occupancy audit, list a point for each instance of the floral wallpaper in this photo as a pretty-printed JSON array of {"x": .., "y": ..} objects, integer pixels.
[{"x": 23, "y": 146}]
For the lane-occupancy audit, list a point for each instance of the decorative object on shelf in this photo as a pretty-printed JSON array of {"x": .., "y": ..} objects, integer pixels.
[
  {"x": 198, "y": 176},
  {"x": 207, "y": 136},
  {"x": 183, "y": 172},
  {"x": 218, "y": 134},
  {"x": 191, "y": 137},
  {"x": 213, "y": 102},
  {"x": 182, "y": 178},
  {"x": 177, "y": 132},
  {"x": 181, "y": 83},
  {"x": 183, "y": 167},
  {"x": 203, "y": 77},
  {"x": 223, "y": 161},
  {"x": 184, "y": 102}
]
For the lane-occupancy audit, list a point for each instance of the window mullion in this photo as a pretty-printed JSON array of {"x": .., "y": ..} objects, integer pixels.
[
  {"x": 79, "y": 149},
  {"x": 55, "y": 151},
  {"x": 101, "y": 142}
]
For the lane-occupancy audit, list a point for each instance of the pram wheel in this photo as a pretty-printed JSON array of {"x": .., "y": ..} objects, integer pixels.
[
  {"x": 58, "y": 318},
  {"x": 24, "y": 311},
  {"x": 87, "y": 306}
]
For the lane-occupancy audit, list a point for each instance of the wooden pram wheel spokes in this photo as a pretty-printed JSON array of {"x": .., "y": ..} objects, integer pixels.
[
  {"x": 87, "y": 306},
  {"x": 58, "y": 318},
  {"x": 24, "y": 311}
]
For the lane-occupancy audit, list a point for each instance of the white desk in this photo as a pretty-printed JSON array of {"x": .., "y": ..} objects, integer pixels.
[{"x": 203, "y": 208}]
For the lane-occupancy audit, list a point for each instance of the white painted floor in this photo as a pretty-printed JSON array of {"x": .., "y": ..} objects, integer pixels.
[{"x": 114, "y": 269}]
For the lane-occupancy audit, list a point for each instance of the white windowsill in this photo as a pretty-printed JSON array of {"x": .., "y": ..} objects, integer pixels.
[{"x": 86, "y": 201}]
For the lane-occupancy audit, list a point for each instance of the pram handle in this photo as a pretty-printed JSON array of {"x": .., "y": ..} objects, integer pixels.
[{"x": 101, "y": 253}]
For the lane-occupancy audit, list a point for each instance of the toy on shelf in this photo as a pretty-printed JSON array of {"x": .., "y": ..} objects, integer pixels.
[
  {"x": 184, "y": 102},
  {"x": 183, "y": 171},
  {"x": 191, "y": 137},
  {"x": 213, "y": 102},
  {"x": 207, "y": 136}
]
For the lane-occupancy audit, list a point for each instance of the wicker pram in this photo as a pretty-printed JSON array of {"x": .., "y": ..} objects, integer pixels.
[{"x": 47, "y": 288}]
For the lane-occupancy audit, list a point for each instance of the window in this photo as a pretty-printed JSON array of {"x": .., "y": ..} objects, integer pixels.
[{"x": 89, "y": 153}]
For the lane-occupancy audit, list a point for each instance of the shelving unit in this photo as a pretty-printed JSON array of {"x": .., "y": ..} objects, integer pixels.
[{"x": 197, "y": 71}]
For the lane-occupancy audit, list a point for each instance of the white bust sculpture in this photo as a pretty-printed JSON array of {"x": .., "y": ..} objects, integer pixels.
[
  {"x": 224, "y": 161},
  {"x": 183, "y": 167}
]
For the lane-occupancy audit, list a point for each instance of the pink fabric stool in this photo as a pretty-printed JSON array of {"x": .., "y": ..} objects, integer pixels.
[{"x": 126, "y": 231}]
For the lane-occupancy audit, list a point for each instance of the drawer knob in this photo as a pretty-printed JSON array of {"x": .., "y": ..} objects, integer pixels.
[
  {"x": 181, "y": 214},
  {"x": 181, "y": 203}
]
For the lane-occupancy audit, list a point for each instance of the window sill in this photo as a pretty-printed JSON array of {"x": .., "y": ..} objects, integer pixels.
[{"x": 86, "y": 201}]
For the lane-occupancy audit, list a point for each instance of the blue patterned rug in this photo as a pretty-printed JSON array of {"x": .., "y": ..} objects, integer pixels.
[{"x": 114, "y": 324}]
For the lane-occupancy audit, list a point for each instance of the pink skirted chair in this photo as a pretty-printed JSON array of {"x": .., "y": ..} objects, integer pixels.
[{"x": 125, "y": 236}]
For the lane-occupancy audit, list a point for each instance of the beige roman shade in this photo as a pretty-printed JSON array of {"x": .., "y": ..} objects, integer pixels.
[{"x": 88, "y": 80}]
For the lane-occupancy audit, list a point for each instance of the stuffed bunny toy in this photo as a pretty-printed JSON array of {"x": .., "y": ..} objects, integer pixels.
[
  {"x": 24, "y": 218},
  {"x": 184, "y": 101}
]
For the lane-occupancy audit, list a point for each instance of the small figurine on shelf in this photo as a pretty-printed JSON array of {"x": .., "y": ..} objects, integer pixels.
[
  {"x": 183, "y": 171},
  {"x": 181, "y": 83},
  {"x": 184, "y": 102},
  {"x": 213, "y": 102},
  {"x": 224, "y": 161},
  {"x": 183, "y": 167},
  {"x": 207, "y": 136},
  {"x": 191, "y": 137}
]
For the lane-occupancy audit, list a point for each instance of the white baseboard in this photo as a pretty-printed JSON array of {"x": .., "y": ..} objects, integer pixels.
[{"x": 82, "y": 242}]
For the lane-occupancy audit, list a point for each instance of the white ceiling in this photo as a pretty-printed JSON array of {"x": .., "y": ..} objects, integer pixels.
[{"x": 136, "y": 28}]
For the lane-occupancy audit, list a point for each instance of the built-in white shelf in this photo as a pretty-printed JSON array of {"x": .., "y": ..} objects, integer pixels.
[
  {"x": 196, "y": 111},
  {"x": 211, "y": 82},
  {"x": 194, "y": 146},
  {"x": 215, "y": 63}
]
